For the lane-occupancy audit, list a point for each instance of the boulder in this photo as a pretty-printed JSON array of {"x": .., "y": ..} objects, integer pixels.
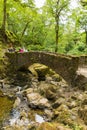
[
  {"x": 48, "y": 90},
  {"x": 1, "y": 93},
  {"x": 17, "y": 102},
  {"x": 51, "y": 126},
  {"x": 82, "y": 112},
  {"x": 81, "y": 81},
  {"x": 35, "y": 100},
  {"x": 39, "y": 70},
  {"x": 63, "y": 115},
  {"x": 58, "y": 102}
]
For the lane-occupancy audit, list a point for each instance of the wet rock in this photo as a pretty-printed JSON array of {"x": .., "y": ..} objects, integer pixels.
[
  {"x": 2, "y": 83},
  {"x": 63, "y": 115},
  {"x": 51, "y": 126},
  {"x": 82, "y": 112},
  {"x": 35, "y": 100},
  {"x": 80, "y": 97},
  {"x": 81, "y": 81},
  {"x": 1, "y": 93},
  {"x": 23, "y": 114},
  {"x": 16, "y": 127},
  {"x": 57, "y": 77},
  {"x": 46, "y": 126},
  {"x": 54, "y": 77},
  {"x": 6, "y": 105},
  {"x": 84, "y": 102},
  {"x": 49, "y": 114},
  {"x": 27, "y": 91},
  {"x": 17, "y": 102},
  {"x": 58, "y": 102},
  {"x": 33, "y": 126},
  {"x": 39, "y": 70},
  {"x": 48, "y": 78},
  {"x": 32, "y": 70},
  {"x": 50, "y": 95},
  {"x": 72, "y": 104},
  {"x": 48, "y": 90}
]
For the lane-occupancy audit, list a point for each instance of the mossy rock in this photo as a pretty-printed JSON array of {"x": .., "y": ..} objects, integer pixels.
[
  {"x": 82, "y": 112},
  {"x": 50, "y": 95},
  {"x": 57, "y": 77},
  {"x": 5, "y": 107},
  {"x": 48, "y": 90},
  {"x": 1, "y": 93},
  {"x": 39, "y": 70},
  {"x": 63, "y": 115},
  {"x": 46, "y": 126},
  {"x": 51, "y": 126},
  {"x": 85, "y": 87}
]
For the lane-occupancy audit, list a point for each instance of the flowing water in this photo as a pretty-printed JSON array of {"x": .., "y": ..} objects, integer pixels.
[{"x": 39, "y": 118}]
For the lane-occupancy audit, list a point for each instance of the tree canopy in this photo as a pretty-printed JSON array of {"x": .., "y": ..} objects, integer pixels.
[{"x": 56, "y": 26}]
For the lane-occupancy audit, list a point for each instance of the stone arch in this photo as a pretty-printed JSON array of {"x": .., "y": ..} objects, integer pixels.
[{"x": 65, "y": 66}]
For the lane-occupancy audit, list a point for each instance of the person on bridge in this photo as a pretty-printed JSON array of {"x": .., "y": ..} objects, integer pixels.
[{"x": 21, "y": 50}]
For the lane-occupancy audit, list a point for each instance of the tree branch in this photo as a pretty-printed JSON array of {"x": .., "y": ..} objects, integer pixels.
[{"x": 24, "y": 29}]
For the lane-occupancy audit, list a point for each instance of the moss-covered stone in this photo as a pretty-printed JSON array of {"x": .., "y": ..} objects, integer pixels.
[
  {"x": 63, "y": 65},
  {"x": 48, "y": 90},
  {"x": 83, "y": 113},
  {"x": 51, "y": 126},
  {"x": 5, "y": 107},
  {"x": 1, "y": 93},
  {"x": 63, "y": 115}
]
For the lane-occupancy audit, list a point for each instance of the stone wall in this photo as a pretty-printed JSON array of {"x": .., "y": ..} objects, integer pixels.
[
  {"x": 64, "y": 65},
  {"x": 83, "y": 61}
]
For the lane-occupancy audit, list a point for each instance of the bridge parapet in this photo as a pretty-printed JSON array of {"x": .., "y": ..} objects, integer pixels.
[
  {"x": 64, "y": 65},
  {"x": 83, "y": 61}
]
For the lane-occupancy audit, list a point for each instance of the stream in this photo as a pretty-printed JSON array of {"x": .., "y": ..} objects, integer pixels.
[{"x": 26, "y": 102}]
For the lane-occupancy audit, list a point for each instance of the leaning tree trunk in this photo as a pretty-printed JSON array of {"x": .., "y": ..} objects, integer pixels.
[{"x": 26, "y": 25}]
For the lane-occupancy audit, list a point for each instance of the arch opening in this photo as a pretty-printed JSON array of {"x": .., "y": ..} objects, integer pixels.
[{"x": 41, "y": 72}]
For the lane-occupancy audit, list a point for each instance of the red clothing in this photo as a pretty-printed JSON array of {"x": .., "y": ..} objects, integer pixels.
[{"x": 21, "y": 50}]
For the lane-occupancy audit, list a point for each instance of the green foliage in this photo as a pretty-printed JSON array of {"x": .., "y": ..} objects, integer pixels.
[
  {"x": 78, "y": 49},
  {"x": 35, "y": 28},
  {"x": 81, "y": 48},
  {"x": 36, "y": 47},
  {"x": 69, "y": 47}
]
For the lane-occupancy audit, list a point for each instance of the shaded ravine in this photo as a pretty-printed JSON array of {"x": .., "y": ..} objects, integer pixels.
[{"x": 65, "y": 104}]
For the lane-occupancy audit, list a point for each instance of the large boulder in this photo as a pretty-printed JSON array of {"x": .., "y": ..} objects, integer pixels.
[
  {"x": 39, "y": 70},
  {"x": 35, "y": 100},
  {"x": 63, "y": 115},
  {"x": 48, "y": 90}
]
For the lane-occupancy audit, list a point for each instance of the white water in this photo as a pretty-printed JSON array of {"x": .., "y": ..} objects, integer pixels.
[{"x": 39, "y": 119}]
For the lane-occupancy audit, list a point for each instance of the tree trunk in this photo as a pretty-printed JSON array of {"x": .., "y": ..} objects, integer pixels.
[
  {"x": 24, "y": 30},
  {"x": 4, "y": 16},
  {"x": 57, "y": 33},
  {"x": 3, "y": 28},
  {"x": 86, "y": 37}
]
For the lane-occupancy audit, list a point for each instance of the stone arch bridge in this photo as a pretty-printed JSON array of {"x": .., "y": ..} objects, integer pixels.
[{"x": 64, "y": 65}]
